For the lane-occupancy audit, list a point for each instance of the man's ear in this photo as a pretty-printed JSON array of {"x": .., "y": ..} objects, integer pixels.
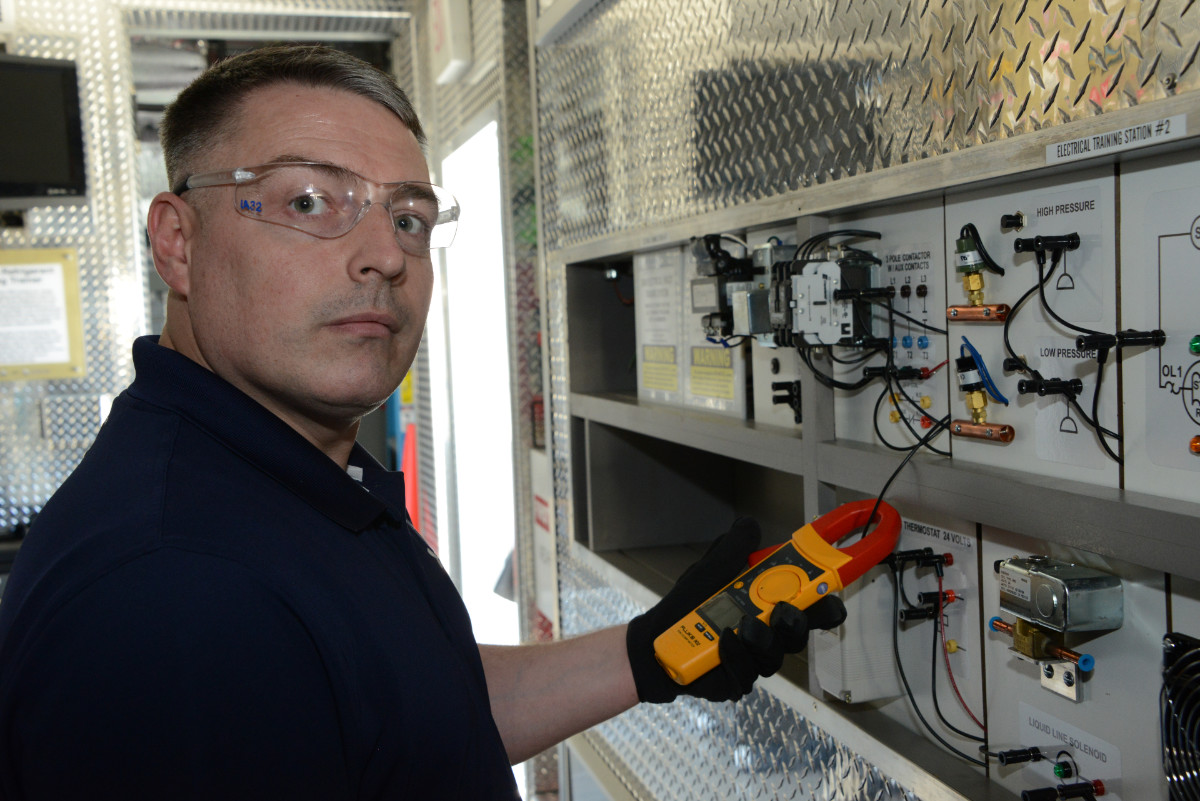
[{"x": 171, "y": 224}]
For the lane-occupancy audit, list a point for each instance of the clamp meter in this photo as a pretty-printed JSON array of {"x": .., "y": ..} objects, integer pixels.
[{"x": 801, "y": 571}]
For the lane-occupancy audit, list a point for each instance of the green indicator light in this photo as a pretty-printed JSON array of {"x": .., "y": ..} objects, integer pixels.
[
  {"x": 1062, "y": 770},
  {"x": 1194, "y": 345}
]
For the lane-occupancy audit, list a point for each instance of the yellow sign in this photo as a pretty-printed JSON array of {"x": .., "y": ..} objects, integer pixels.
[
  {"x": 41, "y": 319},
  {"x": 406, "y": 389}
]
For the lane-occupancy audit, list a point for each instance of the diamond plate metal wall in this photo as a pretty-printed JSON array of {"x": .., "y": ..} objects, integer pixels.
[
  {"x": 36, "y": 458},
  {"x": 655, "y": 110},
  {"x": 497, "y": 85}
]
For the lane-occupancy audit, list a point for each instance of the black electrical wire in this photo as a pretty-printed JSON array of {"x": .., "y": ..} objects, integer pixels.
[
  {"x": 922, "y": 442},
  {"x": 1012, "y": 313},
  {"x": 1039, "y": 287},
  {"x": 937, "y": 634},
  {"x": 900, "y": 665},
  {"x": 1041, "y": 263},
  {"x": 859, "y": 359},
  {"x": 889, "y": 369},
  {"x": 933, "y": 432},
  {"x": 861, "y": 255},
  {"x": 829, "y": 380},
  {"x": 1095, "y": 422},
  {"x": 879, "y": 433},
  {"x": 914, "y": 320},
  {"x": 804, "y": 252},
  {"x": 969, "y": 230}
]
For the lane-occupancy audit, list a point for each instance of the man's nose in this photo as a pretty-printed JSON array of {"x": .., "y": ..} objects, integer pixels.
[{"x": 378, "y": 249}]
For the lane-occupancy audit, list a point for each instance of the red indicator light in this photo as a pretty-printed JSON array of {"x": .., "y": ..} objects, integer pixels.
[
  {"x": 927, "y": 422},
  {"x": 1194, "y": 446}
]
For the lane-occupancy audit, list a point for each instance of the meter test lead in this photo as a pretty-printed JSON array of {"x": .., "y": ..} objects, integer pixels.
[{"x": 800, "y": 572}]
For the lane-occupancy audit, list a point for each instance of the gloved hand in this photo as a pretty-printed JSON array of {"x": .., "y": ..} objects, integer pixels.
[{"x": 756, "y": 649}]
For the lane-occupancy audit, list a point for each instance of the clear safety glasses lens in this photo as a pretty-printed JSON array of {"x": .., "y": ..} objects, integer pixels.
[{"x": 327, "y": 202}]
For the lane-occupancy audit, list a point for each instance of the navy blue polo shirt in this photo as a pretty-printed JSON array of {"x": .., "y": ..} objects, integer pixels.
[{"x": 210, "y": 608}]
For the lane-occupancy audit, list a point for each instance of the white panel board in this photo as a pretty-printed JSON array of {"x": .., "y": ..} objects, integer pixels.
[
  {"x": 1051, "y": 438},
  {"x": 1112, "y": 732},
  {"x": 714, "y": 373},
  {"x": 659, "y": 325},
  {"x": 773, "y": 366},
  {"x": 913, "y": 255},
  {"x": 1160, "y": 288}
]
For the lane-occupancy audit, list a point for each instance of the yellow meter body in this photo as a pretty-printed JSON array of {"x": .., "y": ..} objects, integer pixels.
[{"x": 800, "y": 572}]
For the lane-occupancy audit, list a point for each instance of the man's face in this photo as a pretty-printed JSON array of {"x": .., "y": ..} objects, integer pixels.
[{"x": 320, "y": 331}]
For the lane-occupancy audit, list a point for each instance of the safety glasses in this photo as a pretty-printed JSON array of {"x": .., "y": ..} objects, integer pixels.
[{"x": 327, "y": 201}]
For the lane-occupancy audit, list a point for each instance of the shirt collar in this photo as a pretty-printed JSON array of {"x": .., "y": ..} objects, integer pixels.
[{"x": 171, "y": 380}]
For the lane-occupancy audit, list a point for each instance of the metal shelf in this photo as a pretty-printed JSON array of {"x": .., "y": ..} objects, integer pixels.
[
  {"x": 763, "y": 445},
  {"x": 1158, "y": 533}
]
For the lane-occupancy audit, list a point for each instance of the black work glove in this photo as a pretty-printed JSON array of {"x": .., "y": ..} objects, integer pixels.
[{"x": 756, "y": 649}]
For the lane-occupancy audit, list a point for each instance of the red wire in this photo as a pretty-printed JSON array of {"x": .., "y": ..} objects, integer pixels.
[
  {"x": 926, "y": 372},
  {"x": 946, "y": 653},
  {"x": 620, "y": 297}
]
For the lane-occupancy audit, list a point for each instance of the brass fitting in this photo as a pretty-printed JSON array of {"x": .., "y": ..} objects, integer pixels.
[
  {"x": 973, "y": 286},
  {"x": 977, "y": 403}
]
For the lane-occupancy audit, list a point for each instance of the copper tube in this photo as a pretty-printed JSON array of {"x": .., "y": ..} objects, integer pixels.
[
  {"x": 1059, "y": 652},
  {"x": 987, "y": 313},
  {"x": 989, "y": 431}
]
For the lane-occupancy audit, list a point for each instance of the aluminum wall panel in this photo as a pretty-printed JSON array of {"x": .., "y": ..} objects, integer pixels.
[{"x": 655, "y": 110}]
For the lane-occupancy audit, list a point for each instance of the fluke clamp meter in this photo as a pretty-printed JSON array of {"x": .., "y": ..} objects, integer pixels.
[{"x": 800, "y": 571}]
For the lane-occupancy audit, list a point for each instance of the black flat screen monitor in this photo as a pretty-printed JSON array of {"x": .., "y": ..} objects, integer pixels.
[{"x": 41, "y": 133}]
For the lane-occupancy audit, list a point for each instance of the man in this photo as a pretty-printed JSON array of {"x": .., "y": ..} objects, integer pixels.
[{"x": 226, "y": 600}]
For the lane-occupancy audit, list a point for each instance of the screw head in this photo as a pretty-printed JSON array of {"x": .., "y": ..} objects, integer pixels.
[
  {"x": 1069, "y": 679},
  {"x": 1048, "y": 671}
]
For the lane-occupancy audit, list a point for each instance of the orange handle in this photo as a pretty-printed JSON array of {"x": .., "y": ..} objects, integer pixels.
[{"x": 871, "y": 549}]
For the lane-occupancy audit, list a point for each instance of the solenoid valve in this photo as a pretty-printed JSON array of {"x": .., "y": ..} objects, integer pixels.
[{"x": 1051, "y": 600}]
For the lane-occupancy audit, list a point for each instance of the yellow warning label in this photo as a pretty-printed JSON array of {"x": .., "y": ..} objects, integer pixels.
[
  {"x": 660, "y": 376},
  {"x": 712, "y": 357},
  {"x": 660, "y": 354},
  {"x": 712, "y": 382}
]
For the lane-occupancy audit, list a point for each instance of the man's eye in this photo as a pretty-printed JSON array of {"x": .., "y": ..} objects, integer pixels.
[
  {"x": 308, "y": 204},
  {"x": 410, "y": 224}
]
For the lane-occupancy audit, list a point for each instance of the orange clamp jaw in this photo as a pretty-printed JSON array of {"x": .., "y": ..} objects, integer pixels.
[{"x": 799, "y": 572}]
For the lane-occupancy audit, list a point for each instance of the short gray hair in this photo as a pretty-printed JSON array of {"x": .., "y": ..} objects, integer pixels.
[{"x": 206, "y": 111}]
